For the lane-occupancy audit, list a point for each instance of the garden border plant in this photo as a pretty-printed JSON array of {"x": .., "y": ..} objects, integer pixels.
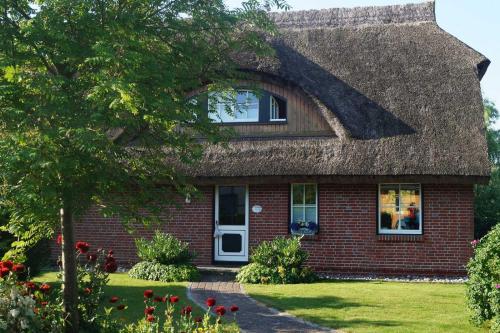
[
  {"x": 281, "y": 260},
  {"x": 164, "y": 258}
]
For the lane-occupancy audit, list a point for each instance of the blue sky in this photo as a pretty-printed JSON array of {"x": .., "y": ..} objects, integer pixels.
[{"x": 475, "y": 22}]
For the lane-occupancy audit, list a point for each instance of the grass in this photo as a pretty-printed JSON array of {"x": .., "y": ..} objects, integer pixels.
[
  {"x": 373, "y": 306},
  {"x": 131, "y": 292}
]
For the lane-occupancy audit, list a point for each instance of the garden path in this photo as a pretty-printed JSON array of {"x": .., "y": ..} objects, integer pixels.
[{"x": 252, "y": 317}]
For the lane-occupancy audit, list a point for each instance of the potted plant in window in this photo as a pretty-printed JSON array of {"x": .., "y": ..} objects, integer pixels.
[{"x": 302, "y": 227}]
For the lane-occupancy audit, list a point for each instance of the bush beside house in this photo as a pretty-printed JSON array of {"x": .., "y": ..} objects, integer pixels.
[
  {"x": 164, "y": 258},
  {"x": 483, "y": 287},
  {"x": 281, "y": 260}
]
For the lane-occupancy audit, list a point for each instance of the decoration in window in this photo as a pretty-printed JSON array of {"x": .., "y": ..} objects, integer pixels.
[
  {"x": 246, "y": 108},
  {"x": 399, "y": 209},
  {"x": 278, "y": 109},
  {"x": 304, "y": 209}
]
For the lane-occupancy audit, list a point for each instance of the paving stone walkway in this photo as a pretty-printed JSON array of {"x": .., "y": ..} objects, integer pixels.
[{"x": 253, "y": 317}]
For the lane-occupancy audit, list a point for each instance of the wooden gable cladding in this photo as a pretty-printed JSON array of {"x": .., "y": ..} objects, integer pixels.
[{"x": 303, "y": 117}]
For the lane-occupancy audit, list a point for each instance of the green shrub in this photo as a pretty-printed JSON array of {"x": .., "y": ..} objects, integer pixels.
[
  {"x": 278, "y": 261},
  {"x": 164, "y": 249},
  {"x": 150, "y": 270},
  {"x": 483, "y": 287}
]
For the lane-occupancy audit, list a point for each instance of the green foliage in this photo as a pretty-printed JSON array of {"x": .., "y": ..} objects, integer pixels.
[
  {"x": 6, "y": 238},
  {"x": 164, "y": 249},
  {"x": 486, "y": 203},
  {"x": 483, "y": 287},
  {"x": 154, "y": 271},
  {"x": 278, "y": 261}
]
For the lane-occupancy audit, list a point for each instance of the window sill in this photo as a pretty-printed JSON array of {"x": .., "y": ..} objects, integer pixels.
[
  {"x": 400, "y": 238},
  {"x": 237, "y": 123}
]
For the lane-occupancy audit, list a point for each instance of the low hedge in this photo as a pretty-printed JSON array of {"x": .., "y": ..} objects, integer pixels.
[{"x": 150, "y": 270}]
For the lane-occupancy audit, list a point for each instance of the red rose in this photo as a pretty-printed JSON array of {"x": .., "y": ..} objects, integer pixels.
[
  {"x": 210, "y": 302},
  {"x": 186, "y": 311},
  {"x": 87, "y": 291},
  {"x": 92, "y": 257},
  {"x": 121, "y": 307},
  {"x": 18, "y": 268},
  {"x": 44, "y": 303},
  {"x": 148, "y": 293},
  {"x": 4, "y": 271},
  {"x": 31, "y": 286},
  {"x": 82, "y": 247},
  {"x": 174, "y": 299},
  {"x": 114, "y": 299},
  {"x": 159, "y": 299},
  {"x": 198, "y": 320},
  {"x": 150, "y": 318},
  {"x": 59, "y": 239},
  {"x": 7, "y": 264},
  {"x": 149, "y": 310},
  {"x": 45, "y": 288},
  {"x": 220, "y": 310},
  {"x": 234, "y": 308},
  {"x": 110, "y": 253}
]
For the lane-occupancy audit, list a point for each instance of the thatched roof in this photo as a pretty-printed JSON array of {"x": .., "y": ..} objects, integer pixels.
[{"x": 405, "y": 93}]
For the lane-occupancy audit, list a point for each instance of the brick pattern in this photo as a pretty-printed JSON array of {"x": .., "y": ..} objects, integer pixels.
[{"x": 347, "y": 241}]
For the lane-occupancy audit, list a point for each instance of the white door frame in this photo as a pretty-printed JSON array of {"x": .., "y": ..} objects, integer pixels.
[{"x": 220, "y": 255}]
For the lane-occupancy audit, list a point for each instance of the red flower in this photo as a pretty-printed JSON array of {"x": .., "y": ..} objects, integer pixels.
[
  {"x": 31, "y": 286},
  {"x": 150, "y": 318},
  {"x": 44, "y": 303},
  {"x": 174, "y": 299},
  {"x": 7, "y": 264},
  {"x": 186, "y": 311},
  {"x": 87, "y": 291},
  {"x": 148, "y": 293},
  {"x": 45, "y": 288},
  {"x": 110, "y": 253},
  {"x": 114, "y": 299},
  {"x": 234, "y": 308},
  {"x": 110, "y": 267},
  {"x": 198, "y": 320},
  {"x": 82, "y": 247},
  {"x": 4, "y": 271},
  {"x": 59, "y": 239},
  {"x": 210, "y": 302},
  {"x": 159, "y": 299},
  {"x": 92, "y": 257},
  {"x": 120, "y": 307},
  {"x": 18, "y": 268},
  {"x": 220, "y": 310},
  {"x": 149, "y": 310}
]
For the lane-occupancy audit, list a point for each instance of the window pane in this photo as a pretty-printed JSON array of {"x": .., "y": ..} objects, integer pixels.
[
  {"x": 232, "y": 205},
  {"x": 298, "y": 194},
  {"x": 410, "y": 218},
  {"x": 410, "y": 195},
  {"x": 310, "y": 194},
  {"x": 389, "y": 218},
  {"x": 389, "y": 195},
  {"x": 311, "y": 214},
  {"x": 248, "y": 105},
  {"x": 298, "y": 214}
]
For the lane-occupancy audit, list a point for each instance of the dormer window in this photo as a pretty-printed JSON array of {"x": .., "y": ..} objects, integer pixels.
[
  {"x": 245, "y": 110},
  {"x": 278, "y": 109}
]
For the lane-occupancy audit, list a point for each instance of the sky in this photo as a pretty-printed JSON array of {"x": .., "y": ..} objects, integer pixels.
[{"x": 475, "y": 22}]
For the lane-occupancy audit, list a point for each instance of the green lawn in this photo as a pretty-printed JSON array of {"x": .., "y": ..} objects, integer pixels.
[
  {"x": 375, "y": 306},
  {"x": 131, "y": 292}
]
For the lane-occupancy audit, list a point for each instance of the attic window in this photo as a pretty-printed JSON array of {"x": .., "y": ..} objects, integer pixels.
[
  {"x": 246, "y": 108},
  {"x": 277, "y": 108}
]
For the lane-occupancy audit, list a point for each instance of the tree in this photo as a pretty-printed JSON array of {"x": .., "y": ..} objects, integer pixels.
[
  {"x": 487, "y": 202},
  {"x": 93, "y": 105}
]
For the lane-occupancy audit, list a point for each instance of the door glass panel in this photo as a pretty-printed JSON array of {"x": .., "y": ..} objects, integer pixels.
[
  {"x": 232, "y": 243},
  {"x": 232, "y": 205}
]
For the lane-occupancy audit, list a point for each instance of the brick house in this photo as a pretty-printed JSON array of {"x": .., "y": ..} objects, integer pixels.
[{"x": 366, "y": 136}]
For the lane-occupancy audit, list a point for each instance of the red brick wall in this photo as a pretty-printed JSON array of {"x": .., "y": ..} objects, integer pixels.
[{"x": 347, "y": 241}]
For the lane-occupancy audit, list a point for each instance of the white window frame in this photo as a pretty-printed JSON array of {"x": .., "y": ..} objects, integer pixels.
[
  {"x": 273, "y": 103},
  {"x": 304, "y": 205},
  {"x": 399, "y": 231},
  {"x": 216, "y": 116}
]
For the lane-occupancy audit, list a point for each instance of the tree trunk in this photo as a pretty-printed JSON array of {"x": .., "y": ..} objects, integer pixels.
[{"x": 70, "y": 285}]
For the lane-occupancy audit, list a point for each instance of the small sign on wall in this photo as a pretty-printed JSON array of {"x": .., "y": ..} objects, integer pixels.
[{"x": 256, "y": 209}]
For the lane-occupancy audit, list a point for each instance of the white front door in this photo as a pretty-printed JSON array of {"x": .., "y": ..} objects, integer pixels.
[{"x": 231, "y": 223}]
